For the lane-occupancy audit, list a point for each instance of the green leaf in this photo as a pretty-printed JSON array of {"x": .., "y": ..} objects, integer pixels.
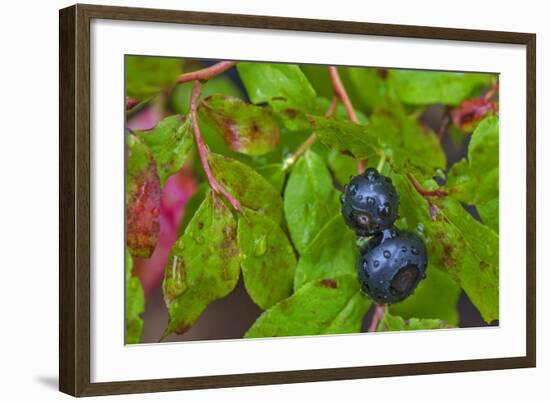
[
  {"x": 366, "y": 86},
  {"x": 135, "y": 304},
  {"x": 284, "y": 87},
  {"x": 309, "y": 200},
  {"x": 170, "y": 142},
  {"x": 274, "y": 174},
  {"x": 250, "y": 188},
  {"x": 202, "y": 266},
  {"x": 476, "y": 180},
  {"x": 332, "y": 253},
  {"x": 246, "y": 128},
  {"x": 277, "y": 83},
  {"x": 397, "y": 323},
  {"x": 327, "y": 306},
  {"x": 347, "y": 137},
  {"x": 489, "y": 213},
  {"x": 142, "y": 199},
  {"x": 408, "y": 146},
  {"x": 456, "y": 242},
  {"x": 435, "y": 297},
  {"x": 147, "y": 76},
  {"x": 428, "y": 87},
  {"x": 267, "y": 259}
]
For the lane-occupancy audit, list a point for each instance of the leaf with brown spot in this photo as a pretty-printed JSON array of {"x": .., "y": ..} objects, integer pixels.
[
  {"x": 250, "y": 188},
  {"x": 142, "y": 199},
  {"x": 246, "y": 128},
  {"x": 267, "y": 259},
  {"x": 334, "y": 306},
  {"x": 203, "y": 264},
  {"x": 456, "y": 243}
]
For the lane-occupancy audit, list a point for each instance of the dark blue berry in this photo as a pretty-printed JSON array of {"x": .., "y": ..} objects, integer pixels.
[
  {"x": 391, "y": 265},
  {"x": 370, "y": 203}
]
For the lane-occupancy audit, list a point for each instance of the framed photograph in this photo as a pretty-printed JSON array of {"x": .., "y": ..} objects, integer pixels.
[{"x": 251, "y": 200}]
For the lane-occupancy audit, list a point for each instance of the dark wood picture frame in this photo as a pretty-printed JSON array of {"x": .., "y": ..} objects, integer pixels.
[{"x": 74, "y": 199}]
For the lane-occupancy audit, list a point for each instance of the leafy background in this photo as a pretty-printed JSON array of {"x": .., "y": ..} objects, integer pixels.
[{"x": 286, "y": 265}]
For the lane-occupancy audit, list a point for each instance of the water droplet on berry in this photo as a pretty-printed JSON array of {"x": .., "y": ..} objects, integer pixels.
[
  {"x": 384, "y": 210},
  {"x": 387, "y": 254},
  {"x": 352, "y": 189},
  {"x": 414, "y": 251},
  {"x": 359, "y": 197},
  {"x": 376, "y": 263},
  {"x": 370, "y": 201},
  {"x": 403, "y": 249}
]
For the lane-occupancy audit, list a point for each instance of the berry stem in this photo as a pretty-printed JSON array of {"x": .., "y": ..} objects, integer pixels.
[
  {"x": 379, "y": 311},
  {"x": 203, "y": 150},
  {"x": 423, "y": 191},
  {"x": 206, "y": 73},
  {"x": 381, "y": 164},
  {"x": 340, "y": 91}
]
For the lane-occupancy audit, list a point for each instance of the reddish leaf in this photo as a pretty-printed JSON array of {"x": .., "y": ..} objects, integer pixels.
[
  {"x": 142, "y": 199},
  {"x": 471, "y": 111}
]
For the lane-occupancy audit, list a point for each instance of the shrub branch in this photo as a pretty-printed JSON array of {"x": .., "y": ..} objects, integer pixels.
[
  {"x": 206, "y": 73},
  {"x": 203, "y": 150}
]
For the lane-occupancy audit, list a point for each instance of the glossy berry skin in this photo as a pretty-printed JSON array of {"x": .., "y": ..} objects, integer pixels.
[
  {"x": 391, "y": 265},
  {"x": 370, "y": 203}
]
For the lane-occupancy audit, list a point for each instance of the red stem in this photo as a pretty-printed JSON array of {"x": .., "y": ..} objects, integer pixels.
[
  {"x": 341, "y": 92},
  {"x": 203, "y": 151},
  {"x": 332, "y": 108},
  {"x": 423, "y": 191},
  {"x": 379, "y": 311},
  {"x": 206, "y": 73}
]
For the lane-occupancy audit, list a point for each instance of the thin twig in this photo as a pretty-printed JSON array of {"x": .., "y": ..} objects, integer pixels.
[
  {"x": 341, "y": 92},
  {"x": 425, "y": 192},
  {"x": 206, "y": 73},
  {"x": 203, "y": 151},
  {"x": 379, "y": 311}
]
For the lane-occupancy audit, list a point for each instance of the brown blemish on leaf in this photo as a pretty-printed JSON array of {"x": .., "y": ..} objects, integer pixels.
[
  {"x": 447, "y": 256},
  {"x": 346, "y": 152},
  {"x": 483, "y": 265},
  {"x": 201, "y": 225},
  {"x": 329, "y": 283},
  {"x": 382, "y": 73},
  {"x": 181, "y": 330},
  {"x": 290, "y": 113}
]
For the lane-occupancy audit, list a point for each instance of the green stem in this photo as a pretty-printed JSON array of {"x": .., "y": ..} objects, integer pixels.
[{"x": 381, "y": 164}]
